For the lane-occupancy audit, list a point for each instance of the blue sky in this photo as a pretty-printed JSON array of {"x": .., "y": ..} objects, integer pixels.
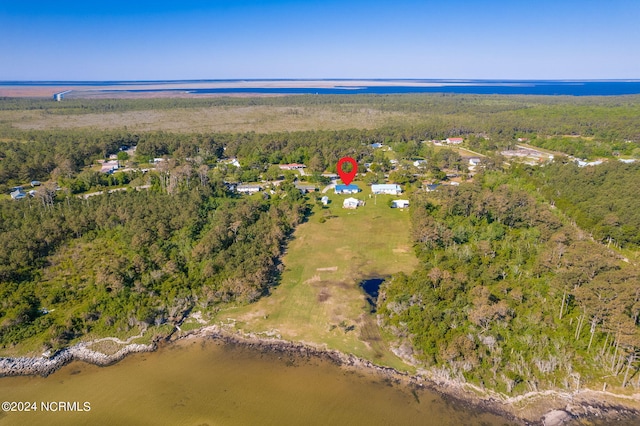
[{"x": 492, "y": 39}]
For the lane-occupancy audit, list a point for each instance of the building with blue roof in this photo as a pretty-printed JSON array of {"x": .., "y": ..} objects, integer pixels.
[{"x": 347, "y": 189}]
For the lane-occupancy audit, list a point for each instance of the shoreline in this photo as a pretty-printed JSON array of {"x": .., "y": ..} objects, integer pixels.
[{"x": 553, "y": 407}]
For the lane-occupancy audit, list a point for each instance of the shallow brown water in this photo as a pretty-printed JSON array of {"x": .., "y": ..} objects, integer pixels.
[{"x": 202, "y": 382}]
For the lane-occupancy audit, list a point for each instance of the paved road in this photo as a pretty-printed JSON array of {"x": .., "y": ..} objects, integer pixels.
[{"x": 328, "y": 187}]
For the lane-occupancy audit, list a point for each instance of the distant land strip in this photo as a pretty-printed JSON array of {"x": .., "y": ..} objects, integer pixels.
[{"x": 201, "y": 88}]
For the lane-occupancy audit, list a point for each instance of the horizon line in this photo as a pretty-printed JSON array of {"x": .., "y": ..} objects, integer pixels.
[{"x": 329, "y": 79}]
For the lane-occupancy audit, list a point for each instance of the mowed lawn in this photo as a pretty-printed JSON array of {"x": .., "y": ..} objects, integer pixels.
[{"x": 319, "y": 299}]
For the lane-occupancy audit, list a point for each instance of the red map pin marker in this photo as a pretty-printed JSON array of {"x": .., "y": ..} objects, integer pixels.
[{"x": 347, "y": 177}]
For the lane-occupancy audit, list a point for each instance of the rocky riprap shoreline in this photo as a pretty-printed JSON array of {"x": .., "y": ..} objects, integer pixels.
[
  {"x": 43, "y": 366},
  {"x": 573, "y": 413}
]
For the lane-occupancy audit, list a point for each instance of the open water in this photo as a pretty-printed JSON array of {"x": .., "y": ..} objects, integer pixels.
[
  {"x": 346, "y": 86},
  {"x": 202, "y": 382}
]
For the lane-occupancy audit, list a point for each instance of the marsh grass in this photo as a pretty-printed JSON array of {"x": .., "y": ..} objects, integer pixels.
[{"x": 258, "y": 118}]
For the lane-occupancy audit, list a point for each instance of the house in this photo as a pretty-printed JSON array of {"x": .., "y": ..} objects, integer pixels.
[
  {"x": 420, "y": 163},
  {"x": 399, "y": 204},
  {"x": 109, "y": 166},
  {"x": 305, "y": 188},
  {"x": 392, "y": 189},
  {"x": 324, "y": 200},
  {"x": 591, "y": 163},
  {"x": 234, "y": 162},
  {"x": 35, "y": 183},
  {"x": 248, "y": 189},
  {"x": 431, "y": 187},
  {"x": 454, "y": 141},
  {"x": 330, "y": 175},
  {"x": 18, "y": 194},
  {"x": 292, "y": 166},
  {"x": 474, "y": 161},
  {"x": 352, "y": 203},
  {"x": 347, "y": 189}
]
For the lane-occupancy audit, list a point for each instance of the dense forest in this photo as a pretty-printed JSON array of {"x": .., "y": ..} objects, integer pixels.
[
  {"x": 135, "y": 259},
  {"x": 603, "y": 199},
  {"x": 510, "y": 296}
]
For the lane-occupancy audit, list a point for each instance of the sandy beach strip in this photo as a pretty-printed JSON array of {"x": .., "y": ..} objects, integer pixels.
[{"x": 181, "y": 88}]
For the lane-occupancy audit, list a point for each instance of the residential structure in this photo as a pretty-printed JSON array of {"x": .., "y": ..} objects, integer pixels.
[
  {"x": 324, "y": 200},
  {"x": 392, "y": 189},
  {"x": 18, "y": 194},
  {"x": 347, "y": 189},
  {"x": 248, "y": 188},
  {"x": 399, "y": 204},
  {"x": 109, "y": 166},
  {"x": 305, "y": 188},
  {"x": 292, "y": 166},
  {"x": 474, "y": 161},
  {"x": 454, "y": 141},
  {"x": 589, "y": 163},
  {"x": 352, "y": 203}
]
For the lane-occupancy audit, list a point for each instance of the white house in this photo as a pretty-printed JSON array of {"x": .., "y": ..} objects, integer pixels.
[
  {"x": 352, "y": 203},
  {"x": 324, "y": 200},
  {"x": 399, "y": 204},
  {"x": 420, "y": 163},
  {"x": 474, "y": 161},
  {"x": 248, "y": 189},
  {"x": 392, "y": 189},
  {"x": 454, "y": 141},
  {"x": 292, "y": 166}
]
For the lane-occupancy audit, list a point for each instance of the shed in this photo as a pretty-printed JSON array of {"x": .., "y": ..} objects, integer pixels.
[
  {"x": 352, "y": 203},
  {"x": 399, "y": 204}
]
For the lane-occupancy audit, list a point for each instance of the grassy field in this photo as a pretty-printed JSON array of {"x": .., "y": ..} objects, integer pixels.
[
  {"x": 319, "y": 300},
  {"x": 261, "y": 119}
]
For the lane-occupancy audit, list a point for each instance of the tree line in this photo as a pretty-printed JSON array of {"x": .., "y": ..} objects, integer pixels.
[{"x": 511, "y": 296}]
